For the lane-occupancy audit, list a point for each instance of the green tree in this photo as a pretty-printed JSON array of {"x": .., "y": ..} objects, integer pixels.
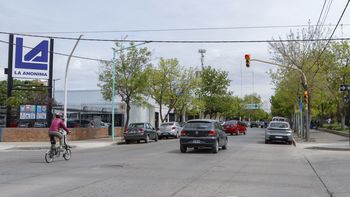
[
  {"x": 213, "y": 88},
  {"x": 164, "y": 85},
  {"x": 132, "y": 68}
]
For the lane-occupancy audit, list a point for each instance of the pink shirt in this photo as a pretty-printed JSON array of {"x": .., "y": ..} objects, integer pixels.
[{"x": 56, "y": 124}]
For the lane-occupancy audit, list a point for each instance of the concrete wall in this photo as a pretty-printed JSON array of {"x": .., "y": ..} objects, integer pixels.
[{"x": 41, "y": 134}]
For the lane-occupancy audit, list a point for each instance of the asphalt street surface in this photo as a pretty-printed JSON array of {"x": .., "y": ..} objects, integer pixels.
[{"x": 247, "y": 168}]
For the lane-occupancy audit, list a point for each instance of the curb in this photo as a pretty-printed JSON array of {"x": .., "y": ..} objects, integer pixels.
[
  {"x": 34, "y": 148},
  {"x": 333, "y": 132},
  {"x": 329, "y": 148}
]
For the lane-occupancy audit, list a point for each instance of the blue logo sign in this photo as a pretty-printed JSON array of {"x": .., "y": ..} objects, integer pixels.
[{"x": 37, "y": 58}]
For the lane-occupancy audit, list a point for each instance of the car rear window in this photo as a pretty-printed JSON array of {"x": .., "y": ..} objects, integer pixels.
[
  {"x": 278, "y": 125},
  {"x": 140, "y": 125},
  {"x": 198, "y": 125},
  {"x": 167, "y": 124}
]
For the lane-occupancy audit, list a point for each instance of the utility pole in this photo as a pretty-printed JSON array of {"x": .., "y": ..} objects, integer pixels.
[{"x": 202, "y": 51}]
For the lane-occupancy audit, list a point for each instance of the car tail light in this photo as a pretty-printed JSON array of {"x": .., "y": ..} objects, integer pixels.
[
  {"x": 212, "y": 133},
  {"x": 184, "y": 133}
]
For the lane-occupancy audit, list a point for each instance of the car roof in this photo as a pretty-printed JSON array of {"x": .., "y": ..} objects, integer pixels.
[{"x": 204, "y": 120}]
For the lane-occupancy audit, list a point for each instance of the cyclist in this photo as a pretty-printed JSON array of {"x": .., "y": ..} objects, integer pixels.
[{"x": 54, "y": 130}]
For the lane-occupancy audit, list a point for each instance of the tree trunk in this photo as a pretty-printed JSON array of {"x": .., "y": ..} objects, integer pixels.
[{"x": 127, "y": 115}]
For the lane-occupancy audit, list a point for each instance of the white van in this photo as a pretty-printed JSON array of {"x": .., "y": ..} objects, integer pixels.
[{"x": 277, "y": 118}]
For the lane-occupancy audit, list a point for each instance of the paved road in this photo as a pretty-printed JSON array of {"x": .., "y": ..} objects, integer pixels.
[{"x": 247, "y": 168}]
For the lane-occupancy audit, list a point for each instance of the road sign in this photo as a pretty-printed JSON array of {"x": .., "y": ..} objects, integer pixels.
[
  {"x": 344, "y": 87},
  {"x": 252, "y": 106},
  {"x": 31, "y": 58}
]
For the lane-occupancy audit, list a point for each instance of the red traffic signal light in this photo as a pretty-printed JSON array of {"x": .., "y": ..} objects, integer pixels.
[{"x": 247, "y": 60}]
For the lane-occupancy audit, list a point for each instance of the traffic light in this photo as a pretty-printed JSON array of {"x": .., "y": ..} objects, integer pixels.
[
  {"x": 247, "y": 60},
  {"x": 306, "y": 95}
]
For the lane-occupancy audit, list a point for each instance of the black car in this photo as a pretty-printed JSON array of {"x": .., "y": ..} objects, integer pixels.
[
  {"x": 140, "y": 131},
  {"x": 203, "y": 133},
  {"x": 254, "y": 124}
]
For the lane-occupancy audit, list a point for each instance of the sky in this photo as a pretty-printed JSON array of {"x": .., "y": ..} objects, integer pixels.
[{"x": 40, "y": 16}]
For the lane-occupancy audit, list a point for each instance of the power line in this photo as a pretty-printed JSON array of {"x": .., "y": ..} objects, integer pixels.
[
  {"x": 179, "y": 41},
  {"x": 174, "y": 29},
  {"x": 80, "y": 57},
  {"x": 330, "y": 38}
]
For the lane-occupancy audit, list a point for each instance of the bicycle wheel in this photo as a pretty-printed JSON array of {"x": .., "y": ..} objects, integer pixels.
[
  {"x": 49, "y": 156},
  {"x": 67, "y": 154}
]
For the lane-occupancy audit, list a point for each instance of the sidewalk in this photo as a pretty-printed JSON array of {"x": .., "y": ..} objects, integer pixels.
[
  {"x": 322, "y": 140},
  {"x": 81, "y": 144}
]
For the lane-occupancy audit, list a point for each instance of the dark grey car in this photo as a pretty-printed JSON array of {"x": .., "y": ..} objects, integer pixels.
[
  {"x": 203, "y": 133},
  {"x": 140, "y": 131}
]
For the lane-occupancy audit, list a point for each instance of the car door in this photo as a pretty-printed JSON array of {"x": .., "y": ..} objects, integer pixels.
[
  {"x": 220, "y": 132},
  {"x": 151, "y": 131}
]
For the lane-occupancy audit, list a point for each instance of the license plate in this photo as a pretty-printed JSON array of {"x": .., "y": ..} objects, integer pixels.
[
  {"x": 278, "y": 137},
  {"x": 196, "y": 141}
]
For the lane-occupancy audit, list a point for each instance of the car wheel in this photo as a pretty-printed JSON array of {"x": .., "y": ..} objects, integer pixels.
[
  {"x": 195, "y": 148},
  {"x": 127, "y": 141},
  {"x": 138, "y": 141},
  {"x": 147, "y": 139},
  {"x": 216, "y": 147},
  {"x": 231, "y": 133},
  {"x": 290, "y": 142},
  {"x": 244, "y": 133},
  {"x": 183, "y": 148},
  {"x": 266, "y": 141}
]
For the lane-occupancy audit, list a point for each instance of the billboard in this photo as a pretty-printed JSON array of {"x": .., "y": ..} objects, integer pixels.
[
  {"x": 31, "y": 58},
  {"x": 32, "y": 112}
]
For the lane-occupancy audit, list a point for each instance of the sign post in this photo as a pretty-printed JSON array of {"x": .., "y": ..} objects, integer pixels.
[{"x": 344, "y": 88}]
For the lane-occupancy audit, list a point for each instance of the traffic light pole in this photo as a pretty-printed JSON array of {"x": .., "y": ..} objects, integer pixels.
[{"x": 305, "y": 87}]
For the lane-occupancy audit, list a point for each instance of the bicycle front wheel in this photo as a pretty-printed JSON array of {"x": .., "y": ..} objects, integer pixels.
[
  {"x": 49, "y": 156},
  {"x": 67, "y": 154}
]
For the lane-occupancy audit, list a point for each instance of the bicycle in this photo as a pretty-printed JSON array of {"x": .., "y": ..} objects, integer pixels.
[{"x": 54, "y": 151}]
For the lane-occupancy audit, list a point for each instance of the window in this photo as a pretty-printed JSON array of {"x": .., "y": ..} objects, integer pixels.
[{"x": 199, "y": 125}]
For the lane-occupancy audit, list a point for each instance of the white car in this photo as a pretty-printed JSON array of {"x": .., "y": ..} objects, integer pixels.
[{"x": 169, "y": 129}]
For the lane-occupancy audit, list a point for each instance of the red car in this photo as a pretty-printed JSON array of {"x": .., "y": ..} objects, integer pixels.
[{"x": 235, "y": 127}]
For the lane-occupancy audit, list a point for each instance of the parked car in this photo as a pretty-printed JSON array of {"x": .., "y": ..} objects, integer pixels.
[
  {"x": 140, "y": 131},
  {"x": 169, "y": 129},
  {"x": 253, "y": 124},
  {"x": 235, "y": 127},
  {"x": 203, "y": 133},
  {"x": 278, "y": 131}
]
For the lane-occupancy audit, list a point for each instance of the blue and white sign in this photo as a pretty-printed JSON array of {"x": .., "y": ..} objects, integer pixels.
[{"x": 31, "y": 58}]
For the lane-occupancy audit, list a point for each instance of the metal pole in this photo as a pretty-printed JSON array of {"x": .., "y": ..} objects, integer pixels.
[
  {"x": 113, "y": 94},
  {"x": 9, "y": 79},
  {"x": 66, "y": 81},
  {"x": 349, "y": 116}
]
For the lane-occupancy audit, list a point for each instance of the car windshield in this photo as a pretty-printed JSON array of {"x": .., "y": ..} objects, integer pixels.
[
  {"x": 279, "y": 125},
  {"x": 198, "y": 125},
  {"x": 139, "y": 125}
]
